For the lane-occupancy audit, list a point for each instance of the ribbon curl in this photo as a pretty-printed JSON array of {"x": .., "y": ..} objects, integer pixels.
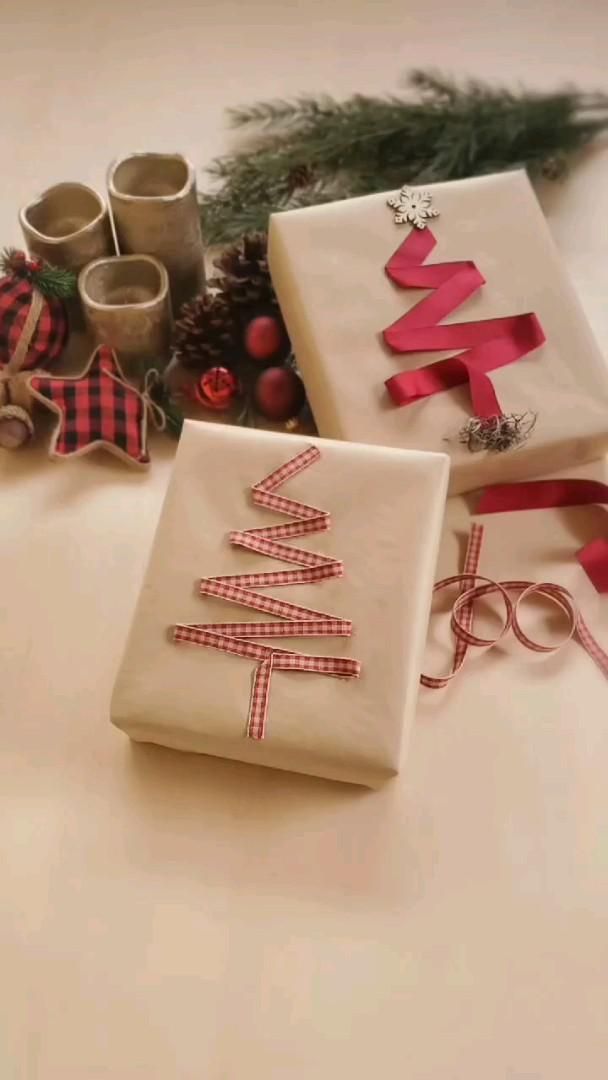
[{"x": 462, "y": 614}]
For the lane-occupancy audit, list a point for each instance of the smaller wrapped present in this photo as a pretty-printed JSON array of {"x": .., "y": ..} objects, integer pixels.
[
  {"x": 284, "y": 610},
  {"x": 443, "y": 321}
]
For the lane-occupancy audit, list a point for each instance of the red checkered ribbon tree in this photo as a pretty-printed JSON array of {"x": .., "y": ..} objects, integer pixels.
[{"x": 291, "y": 620}]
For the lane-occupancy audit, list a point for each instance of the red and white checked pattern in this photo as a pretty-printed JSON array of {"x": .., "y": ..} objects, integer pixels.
[
  {"x": 463, "y": 613},
  {"x": 295, "y": 620}
]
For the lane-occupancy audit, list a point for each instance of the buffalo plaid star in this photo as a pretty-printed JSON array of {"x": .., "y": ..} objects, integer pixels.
[{"x": 95, "y": 409}]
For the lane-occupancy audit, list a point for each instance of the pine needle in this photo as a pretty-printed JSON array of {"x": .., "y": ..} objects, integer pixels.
[
  {"x": 311, "y": 149},
  {"x": 52, "y": 281}
]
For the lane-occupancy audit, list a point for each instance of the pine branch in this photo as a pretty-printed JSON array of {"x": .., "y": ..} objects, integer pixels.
[
  {"x": 314, "y": 149},
  {"x": 280, "y": 111},
  {"x": 52, "y": 281}
]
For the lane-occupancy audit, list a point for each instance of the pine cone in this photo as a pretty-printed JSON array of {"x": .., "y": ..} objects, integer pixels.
[
  {"x": 244, "y": 277},
  {"x": 206, "y": 333},
  {"x": 301, "y": 176}
]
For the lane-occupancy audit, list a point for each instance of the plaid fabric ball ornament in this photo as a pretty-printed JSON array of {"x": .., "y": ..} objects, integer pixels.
[
  {"x": 32, "y": 307},
  {"x": 98, "y": 409},
  {"x": 33, "y": 334},
  {"x": 49, "y": 335}
]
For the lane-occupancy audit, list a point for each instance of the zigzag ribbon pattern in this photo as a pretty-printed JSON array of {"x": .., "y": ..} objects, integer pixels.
[
  {"x": 293, "y": 619},
  {"x": 488, "y": 344}
]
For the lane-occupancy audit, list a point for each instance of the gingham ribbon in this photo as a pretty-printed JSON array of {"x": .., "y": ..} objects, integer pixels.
[
  {"x": 470, "y": 591},
  {"x": 293, "y": 620}
]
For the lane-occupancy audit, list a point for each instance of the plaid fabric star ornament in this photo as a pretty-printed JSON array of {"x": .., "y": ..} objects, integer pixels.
[{"x": 98, "y": 409}]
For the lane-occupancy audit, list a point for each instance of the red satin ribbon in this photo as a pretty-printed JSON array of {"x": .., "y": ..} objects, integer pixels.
[
  {"x": 542, "y": 494},
  {"x": 487, "y": 344}
]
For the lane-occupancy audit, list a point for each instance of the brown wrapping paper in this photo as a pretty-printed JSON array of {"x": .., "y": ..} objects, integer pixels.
[
  {"x": 328, "y": 264},
  {"x": 387, "y": 509}
]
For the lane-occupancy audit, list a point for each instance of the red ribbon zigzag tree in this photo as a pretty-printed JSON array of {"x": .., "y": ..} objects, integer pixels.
[{"x": 486, "y": 344}]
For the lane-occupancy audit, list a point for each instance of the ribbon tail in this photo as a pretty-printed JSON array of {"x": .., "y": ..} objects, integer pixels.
[
  {"x": 471, "y": 566},
  {"x": 484, "y": 398},
  {"x": 544, "y": 494},
  {"x": 594, "y": 561},
  {"x": 258, "y": 704}
]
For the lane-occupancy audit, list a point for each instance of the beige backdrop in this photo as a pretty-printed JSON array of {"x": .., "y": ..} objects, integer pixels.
[{"x": 172, "y": 918}]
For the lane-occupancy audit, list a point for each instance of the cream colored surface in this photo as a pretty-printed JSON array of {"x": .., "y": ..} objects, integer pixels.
[
  {"x": 387, "y": 512},
  {"x": 327, "y": 264},
  {"x": 165, "y": 916}
]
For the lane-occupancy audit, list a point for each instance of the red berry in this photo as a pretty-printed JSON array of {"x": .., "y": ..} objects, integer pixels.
[
  {"x": 217, "y": 388},
  {"x": 263, "y": 337},
  {"x": 279, "y": 393}
]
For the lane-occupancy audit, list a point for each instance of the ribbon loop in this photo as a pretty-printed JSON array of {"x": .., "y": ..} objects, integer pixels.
[{"x": 461, "y": 619}]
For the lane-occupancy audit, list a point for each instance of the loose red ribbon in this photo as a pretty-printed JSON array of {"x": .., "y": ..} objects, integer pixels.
[
  {"x": 470, "y": 591},
  {"x": 293, "y": 619},
  {"x": 486, "y": 345},
  {"x": 542, "y": 494}
]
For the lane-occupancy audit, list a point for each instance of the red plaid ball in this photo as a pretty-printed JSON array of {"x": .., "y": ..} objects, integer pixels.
[{"x": 50, "y": 335}]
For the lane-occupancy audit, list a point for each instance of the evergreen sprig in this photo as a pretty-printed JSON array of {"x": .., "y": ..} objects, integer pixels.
[
  {"x": 316, "y": 149},
  {"x": 51, "y": 281}
]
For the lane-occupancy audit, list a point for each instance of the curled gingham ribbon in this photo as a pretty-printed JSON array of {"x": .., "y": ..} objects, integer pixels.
[
  {"x": 470, "y": 591},
  {"x": 293, "y": 619}
]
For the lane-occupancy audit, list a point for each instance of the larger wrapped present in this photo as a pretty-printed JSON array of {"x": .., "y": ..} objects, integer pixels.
[
  {"x": 495, "y": 365},
  {"x": 284, "y": 609}
]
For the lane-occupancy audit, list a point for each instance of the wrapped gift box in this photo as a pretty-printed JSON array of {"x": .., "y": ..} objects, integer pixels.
[
  {"x": 386, "y": 509},
  {"x": 327, "y": 264}
]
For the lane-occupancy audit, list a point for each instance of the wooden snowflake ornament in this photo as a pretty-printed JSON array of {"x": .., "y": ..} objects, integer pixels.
[{"x": 413, "y": 206}]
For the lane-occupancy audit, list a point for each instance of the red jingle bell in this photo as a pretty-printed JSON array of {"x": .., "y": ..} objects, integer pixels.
[{"x": 217, "y": 388}]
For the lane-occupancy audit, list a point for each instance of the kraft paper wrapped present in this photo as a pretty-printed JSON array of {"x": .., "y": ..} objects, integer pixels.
[
  {"x": 386, "y": 508},
  {"x": 327, "y": 264}
]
